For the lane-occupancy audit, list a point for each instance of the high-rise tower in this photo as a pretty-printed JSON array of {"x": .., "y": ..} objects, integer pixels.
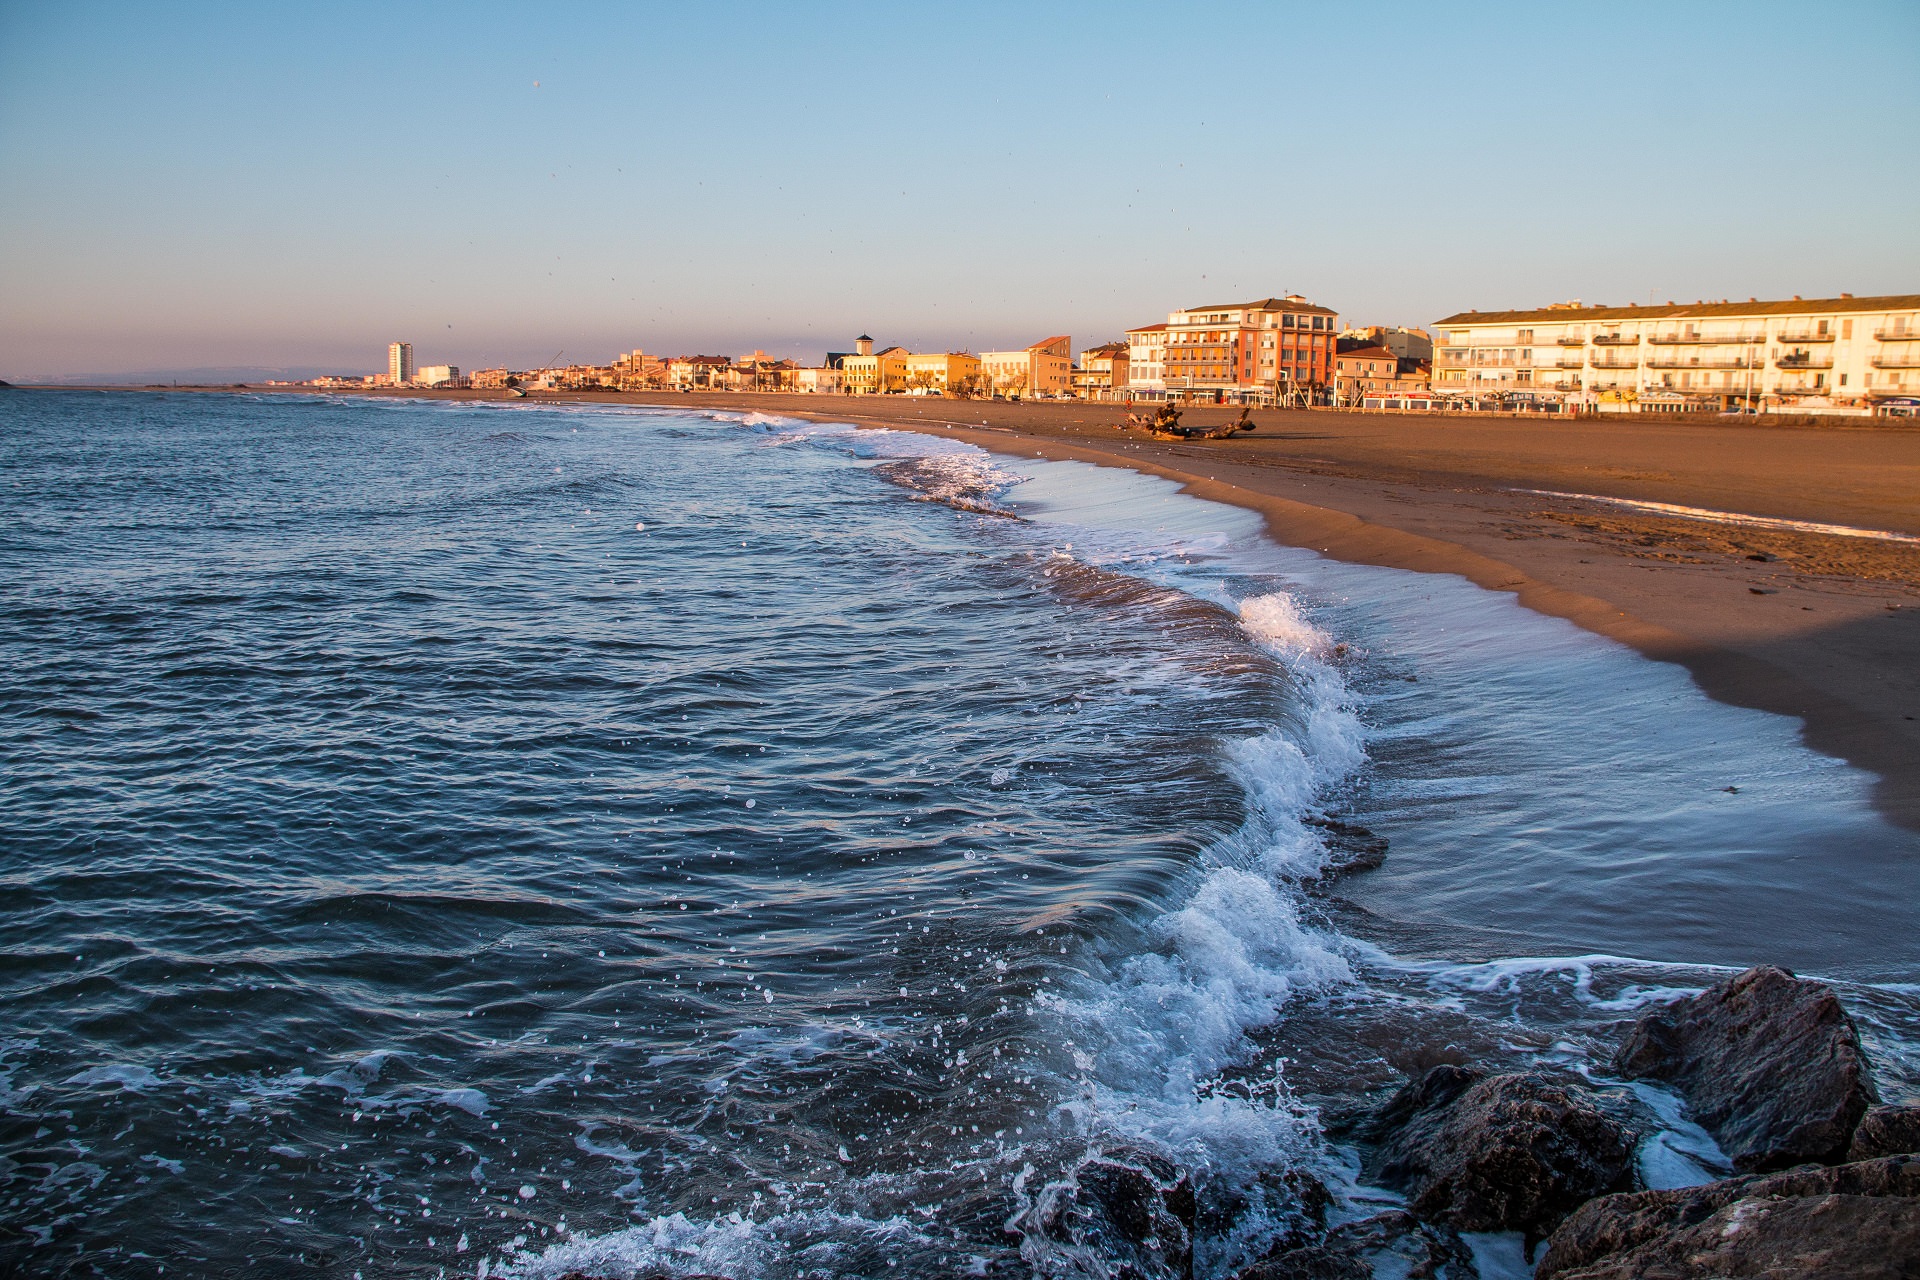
[{"x": 400, "y": 363}]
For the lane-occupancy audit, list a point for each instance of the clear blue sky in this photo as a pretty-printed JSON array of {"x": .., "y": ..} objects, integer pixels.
[{"x": 295, "y": 185}]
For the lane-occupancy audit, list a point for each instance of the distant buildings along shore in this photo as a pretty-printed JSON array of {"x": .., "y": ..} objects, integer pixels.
[{"x": 1842, "y": 356}]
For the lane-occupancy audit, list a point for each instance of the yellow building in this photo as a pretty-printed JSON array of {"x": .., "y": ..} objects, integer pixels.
[
  {"x": 873, "y": 373},
  {"x": 944, "y": 373}
]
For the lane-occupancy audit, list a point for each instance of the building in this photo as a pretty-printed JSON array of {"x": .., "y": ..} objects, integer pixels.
[
  {"x": 873, "y": 373},
  {"x": 636, "y": 370},
  {"x": 1366, "y": 374},
  {"x": 400, "y": 363},
  {"x": 697, "y": 373},
  {"x": 1102, "y": 374},
  {"x": 943, "y": 373},
  {"x": 1406, "y": 344},
  {"x": 1269, "y": 351},
  {"x": 1147, "y": 362},
  {"x": 822, "y": 381},
  {"x": 1843, "y": 355},
  {"x": 1041, "y": 371},
  {"x": 438, "y": 375}
]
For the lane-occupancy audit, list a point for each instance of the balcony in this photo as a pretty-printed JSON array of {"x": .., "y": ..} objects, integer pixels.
[
  {"x": 1802, "y": 362},
  {"x": 1897, "y": 335},
  {"x": 1564, "y": 362},
  {"x": 1709, "y": 340},
  {"x": 1800, "y": 389},
  {"x": 1615, "y": 362},
  {"x": 1616, "y": 339},
  {"x": 1909, "y": 361},
  {"x": 1676, "y": 361},
  {"x": 1799, "y": 339},
  {"x": 1568, "y": 340},
  {"x": 1565, "y": 384}
]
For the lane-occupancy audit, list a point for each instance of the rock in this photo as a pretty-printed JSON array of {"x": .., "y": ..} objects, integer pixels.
[
  {"x": 1394, "y": 1243},
  {"x": 1768, "y": 1063},
  {"x": 1857, "y": 1220},
  {"x": 1887, "y": 1131},
  {"x": 1130, "y": 1208},
  {"x": 1499, "y": 1153}
]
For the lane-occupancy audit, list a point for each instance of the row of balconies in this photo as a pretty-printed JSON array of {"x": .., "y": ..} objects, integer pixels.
[
  {"x": 1614, "y": 361},
  {"x": 1719, "y": 340},
  {"x": 1708, "y": 340}
]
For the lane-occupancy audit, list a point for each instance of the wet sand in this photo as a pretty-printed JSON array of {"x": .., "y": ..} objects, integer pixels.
[{"x": 1813, "y": 625}]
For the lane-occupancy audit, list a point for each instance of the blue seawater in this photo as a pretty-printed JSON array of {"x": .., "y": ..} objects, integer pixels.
[{"x": 466, "y": 839}]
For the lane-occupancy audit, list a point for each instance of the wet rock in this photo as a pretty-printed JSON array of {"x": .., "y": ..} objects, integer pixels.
[
  {"x": 1768, "y": 1063},
  {"x": 1858, "y": 1220},
  {"x": 1393, "y": 1243},
  {"x": 1499, "y": 1153},
  {"x": 1351, "y": 848},
  {"x": 1887, "y": 1131},
  {"x": 1127, "y": 1209}
]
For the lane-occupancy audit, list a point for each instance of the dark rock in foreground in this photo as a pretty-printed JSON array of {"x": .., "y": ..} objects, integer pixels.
[
  {"x": 1500, "y": 1153},
  {"x": 1394, "y": 1243},
  {"x": 1768, "y": 1063},
  {"x": 1127, "y": 1207},
  {"x": 1887, "y": 1131},
  {"x": 1857, "y": 1220}
]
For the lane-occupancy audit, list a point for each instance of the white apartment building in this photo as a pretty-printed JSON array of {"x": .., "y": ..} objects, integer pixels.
[
  {"x": 400, "y": 363},
  {"x": 1147, "y": 362},
  {"x": 1842, "y": 355},
  {"x": 437, "y": 375}
]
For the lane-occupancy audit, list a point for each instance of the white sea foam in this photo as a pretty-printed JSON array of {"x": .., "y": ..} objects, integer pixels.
[
  {"x": 1730, "y": 517},
  {"x": 1153, "y": 1035},
  {"x": 798, "y": 1243},
  {"x": 134, "y": 1078}
]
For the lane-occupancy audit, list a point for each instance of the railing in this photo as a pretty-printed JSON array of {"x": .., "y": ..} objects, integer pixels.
[
  {"x": 1806, "y": 337},
  {"x": 1896, "y": 362},
  {"x": 1897, "y": 335},
  {"x": 1800, "y": 389},
  {"x": 1600, "y": 363},
  {"x": 1565, "y": 384},
  {"x": 1568, "y": 340},
  {"x": 1616, "y": 340},
  {"x": 1802, "y": 362},
  {"x": 1709, "y": 340},
  {"x": 1675, "y": 362},
  {"x": 1575, "y": 363}
]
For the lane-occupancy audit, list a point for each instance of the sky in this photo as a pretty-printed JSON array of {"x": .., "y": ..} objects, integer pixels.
[{"x": 212, "y": 185}]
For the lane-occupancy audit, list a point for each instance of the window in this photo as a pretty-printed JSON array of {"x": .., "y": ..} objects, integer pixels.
[{"x": 1846, "y": 331}]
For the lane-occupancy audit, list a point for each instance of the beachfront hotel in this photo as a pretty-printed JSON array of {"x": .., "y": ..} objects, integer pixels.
[
  {"x": 1269, "y": 351},
  {"x": 1843, "y": 355}
]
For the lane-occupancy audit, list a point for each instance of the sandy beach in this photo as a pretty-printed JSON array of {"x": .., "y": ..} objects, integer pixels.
[{"x": 1809, "y": 624}]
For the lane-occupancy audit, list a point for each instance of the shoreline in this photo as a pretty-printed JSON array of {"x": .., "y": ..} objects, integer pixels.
[{"x": 1819, "y": 626}]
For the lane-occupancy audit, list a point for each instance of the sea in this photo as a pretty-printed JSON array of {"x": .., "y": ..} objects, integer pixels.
[{"x": 505, "y": 839}]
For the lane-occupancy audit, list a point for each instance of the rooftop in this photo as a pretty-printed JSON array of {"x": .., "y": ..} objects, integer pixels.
[
  {"x": 1677, "y": 310},
  {"x": 1289, "y": 303}
]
